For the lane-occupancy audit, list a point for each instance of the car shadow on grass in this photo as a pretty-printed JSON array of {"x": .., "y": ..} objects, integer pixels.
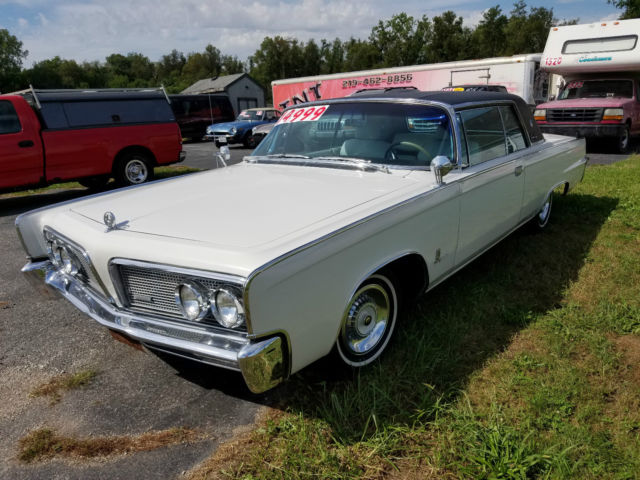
[{"x": 454, "y": 329}]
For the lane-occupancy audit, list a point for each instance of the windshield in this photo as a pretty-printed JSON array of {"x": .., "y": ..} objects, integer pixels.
[
  {"x": 597, "y": 89},
  {"x": 381, "y": 133},
  {"x": 250, "y": 115}
]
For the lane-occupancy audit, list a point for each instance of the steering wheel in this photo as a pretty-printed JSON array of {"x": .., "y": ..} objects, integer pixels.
[{"x": 390, "y": 153}]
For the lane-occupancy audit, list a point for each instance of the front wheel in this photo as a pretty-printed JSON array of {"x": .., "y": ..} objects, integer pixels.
[
  {"x": 133, "y": 169},
  {"x": 368, "y": 322},
  {"x": 624, "y": 141}
]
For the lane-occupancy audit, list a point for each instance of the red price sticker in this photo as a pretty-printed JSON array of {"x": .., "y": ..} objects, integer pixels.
[{"x": 307, "y": 114}]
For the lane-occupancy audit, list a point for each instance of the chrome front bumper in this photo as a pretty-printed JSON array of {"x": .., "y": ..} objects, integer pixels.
[{"x": 262, "y": 363}]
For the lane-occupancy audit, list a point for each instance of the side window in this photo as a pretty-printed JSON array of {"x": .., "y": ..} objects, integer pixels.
[
  {"x": 9, "y": 121},
  {"x": 484, "y": 132},
  {"x": 515, "y": 133},
  {"x": 114, "y": 112}
]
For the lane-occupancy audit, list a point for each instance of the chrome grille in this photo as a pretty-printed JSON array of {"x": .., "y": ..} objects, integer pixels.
[
  {"x": 153, "y": 289},
  {"x": 574, "y": 115}
]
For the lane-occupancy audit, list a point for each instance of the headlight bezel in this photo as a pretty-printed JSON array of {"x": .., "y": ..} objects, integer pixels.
[
  {"x": 201, "y": 298},
  {"x": 238, "y": 319}
]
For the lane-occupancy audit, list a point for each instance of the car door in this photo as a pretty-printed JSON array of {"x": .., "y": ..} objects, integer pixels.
[
  {"x": 492, "y": 184},
  {"x": 20, "y": 152}
]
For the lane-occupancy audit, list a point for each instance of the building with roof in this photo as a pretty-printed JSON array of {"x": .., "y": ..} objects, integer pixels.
[{"x": 243, "y": 91}]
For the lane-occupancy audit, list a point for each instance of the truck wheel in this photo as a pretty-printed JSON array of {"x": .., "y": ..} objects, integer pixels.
[
  {"x": 624, "y": 140},
  {"x": 368, "y": 322},
  {"x": 133, "y": 169},
  {"x": 94, "y": 183}
]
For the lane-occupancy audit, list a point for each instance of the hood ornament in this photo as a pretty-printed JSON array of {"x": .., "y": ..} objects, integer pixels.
[{"x": 109, "y": 219}]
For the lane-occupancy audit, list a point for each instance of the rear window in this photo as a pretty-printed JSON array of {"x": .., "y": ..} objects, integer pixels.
[
  {"x": 9, "y": 122},
  {"x": 105, "y": 113}
]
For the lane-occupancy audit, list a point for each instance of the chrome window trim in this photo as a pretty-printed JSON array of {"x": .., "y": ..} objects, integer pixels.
[{"x": 87, "y": 258}]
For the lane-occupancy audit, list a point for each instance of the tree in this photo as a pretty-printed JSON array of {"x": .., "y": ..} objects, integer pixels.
[
  {"x": 450, "y": 40},
  {"x": 631, "y": 8},
  {"x": 396, "y": 41},
  {"x": 360, "y": 55},
  {"x": 134, "y": 70},
  {"x": 11, "y": 56},
  {"x": 332, "y": 56},
  {"x": 489, "y": 39},
  {"x": 57, "y": 73},
  {"x": 527, "y": 32},
  {"x": 169, "y": 71}
]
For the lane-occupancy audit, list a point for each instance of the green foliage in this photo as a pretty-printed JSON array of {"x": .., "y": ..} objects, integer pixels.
[
  {"x": 11, "y": 56},
  {"x": 631, "y": 8}
]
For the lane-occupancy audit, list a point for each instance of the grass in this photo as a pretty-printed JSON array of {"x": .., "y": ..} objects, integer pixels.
[
  {"x": 45, "y": 443},
  {"x": 55, "y": 387},
  {"x": 160, "y": 172},
  {"x": 526, "y": 364}
]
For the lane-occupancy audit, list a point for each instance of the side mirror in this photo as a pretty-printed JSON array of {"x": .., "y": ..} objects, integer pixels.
[
  {"x": 223, "y": 155},
  {"x": 440, "y": 166}
]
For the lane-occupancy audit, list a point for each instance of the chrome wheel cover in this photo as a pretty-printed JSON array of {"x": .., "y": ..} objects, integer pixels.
[
  {"x": 543, "y": 215},
  {"x": 136, "y": 171},
  {"x": 368, "y": 322}
]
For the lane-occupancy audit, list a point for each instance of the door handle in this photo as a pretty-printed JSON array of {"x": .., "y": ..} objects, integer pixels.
[
  {"x": 25, "y": 143},
  {"x": 518, "y": 170}
]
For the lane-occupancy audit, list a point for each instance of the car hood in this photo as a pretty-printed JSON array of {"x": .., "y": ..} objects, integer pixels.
[
  {"x": 245, "y": 124},
  {"x": 248, "y": 206},
  {"x": 586, "y": 103}
]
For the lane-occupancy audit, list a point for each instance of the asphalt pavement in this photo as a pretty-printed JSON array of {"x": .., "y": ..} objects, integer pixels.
[{"x": 133, "y": 392}]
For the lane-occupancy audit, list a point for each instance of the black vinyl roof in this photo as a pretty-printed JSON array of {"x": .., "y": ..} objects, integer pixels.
[
  {"x": 456, "y": 99},
  {"x": 451, "y": 98}
]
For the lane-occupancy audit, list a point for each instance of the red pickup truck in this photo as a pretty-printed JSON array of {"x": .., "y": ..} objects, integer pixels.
[{"x": 48, "y": 136}]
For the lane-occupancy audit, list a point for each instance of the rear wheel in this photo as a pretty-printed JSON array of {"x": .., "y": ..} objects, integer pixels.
[
  {"x": 541, "y": 220},
  {"x": 133, "y": 169},
  {"x": 248, "y": 141},
  {"x": 368, "y": 322}
]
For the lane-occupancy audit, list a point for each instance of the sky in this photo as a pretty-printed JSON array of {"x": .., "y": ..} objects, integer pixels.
[{"x": 93, "y": 29}]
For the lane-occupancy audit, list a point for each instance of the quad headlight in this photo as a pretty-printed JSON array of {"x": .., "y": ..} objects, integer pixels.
[
  {"x": 192, "y": 301},
  {"x": 227, "y": 309},
  {"x": 195, "y": 301},
  {"x": 62, "y": 258}
]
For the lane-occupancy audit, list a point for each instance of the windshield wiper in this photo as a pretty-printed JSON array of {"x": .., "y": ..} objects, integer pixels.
[
  {"x": 361, "y": 163},
  {"x": 288, "y": 155}
]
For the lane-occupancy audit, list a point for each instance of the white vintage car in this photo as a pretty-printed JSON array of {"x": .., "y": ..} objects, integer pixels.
[{"x": 347, "y": 210}]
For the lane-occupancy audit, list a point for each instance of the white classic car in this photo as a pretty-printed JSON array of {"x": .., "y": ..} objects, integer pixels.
[{"x": 346, "y": 211}]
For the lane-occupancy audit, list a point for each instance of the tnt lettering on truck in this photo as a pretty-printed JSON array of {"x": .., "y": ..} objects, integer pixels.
[
  {"x": 600, "y": 64},
  {"x": 47, "y": 136},
  {"x": 519, "y": 74}
]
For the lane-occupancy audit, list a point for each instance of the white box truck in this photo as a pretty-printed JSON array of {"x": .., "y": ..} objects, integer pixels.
[
  {"x": 600, "y": 67},
  {"x": 519, "y": 74}
]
